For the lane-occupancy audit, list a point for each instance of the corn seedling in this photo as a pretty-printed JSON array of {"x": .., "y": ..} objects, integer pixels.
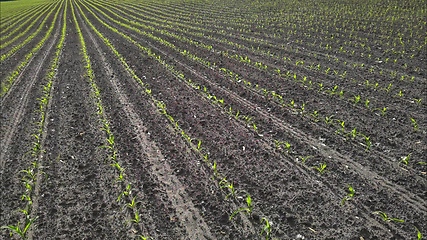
[
  {"x": 353, "y": 133},
  {"x": 132, "y": 204},
  {"x": 266, "y": 230},
  {"x": 136, "y": 218},
  {"x": 144, "y": 238},
  {"x": 419, "y": 235},
  {"x": 390, "y": 85},
  {"x": 214, "y": 167},
  {"x": 350, "y": 194},
  {"x": 126, "y": 192},
  {"x": 368, "y": 142},
  {"x": 418, "y": 100},
  {"x": 292, "y": 104},
  {"x": 247, "y": 209},
  {"x": 302, "y": 108},
  {"x": 321, "y": 168},
  {"x": 356, "y": 99},
  {"x": 405, "y": 159},
  {"x": 315, "y": 116},
  {"x": 386, "y": 218},
  {"x": 328, "y": 120},
  {"x": 342, "y": 124},
  {"x": 367, "y": 103},
  {"x": 225, "y": 184},
  {"x": 199, "y": 145},
  {"x": 304, "y": 159},
  {"x": 414, "y": 124},
  {"x": 16, "y": 229}
]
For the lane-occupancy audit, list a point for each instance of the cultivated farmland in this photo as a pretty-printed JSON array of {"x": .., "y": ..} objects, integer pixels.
[{"x": 195, "y": 119}]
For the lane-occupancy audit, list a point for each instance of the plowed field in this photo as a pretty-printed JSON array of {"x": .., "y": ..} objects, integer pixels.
[{"x": 213, "y": 119}]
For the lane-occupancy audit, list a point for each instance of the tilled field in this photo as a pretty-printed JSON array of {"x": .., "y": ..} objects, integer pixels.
[{"x": 225, "y": 120}]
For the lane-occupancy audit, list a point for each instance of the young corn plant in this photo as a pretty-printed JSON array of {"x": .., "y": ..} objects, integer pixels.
[
  {"x": 304, "y": 159},
  {"x": 19, "y": 230},
  {"x": 349, "y": 196},
  {"x": 315, "y": 116},
  {"x": 419, "y": 235},
  {"x": 386, "y": 218},
  {"x": 266, "y": 230},
  {"x": 405, "y": 159},
  {"x": 329, "y": 120},
  {"x": 321, "y": 168},
  {"x": 414, "y": 124},
  {"x": 247, "y": 209},
  {"x": 368, "y": 142},
  {"x": 132, "y": 204},
  {"x": 226, "y": 184},
  {"x": 136, "y": 218}
]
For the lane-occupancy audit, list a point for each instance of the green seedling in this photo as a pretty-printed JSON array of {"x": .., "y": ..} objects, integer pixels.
[
  {"x": 237, "y": 115},
  {"x": 287, "y": 146},
  {"x": 368, "y": 142},
  {"x": 386, "y": 218},
  {"x": 321, "y": 168},
  {"x": 419, "y": 235},
  {"x": 356, "y": 99},
  {"x": 215, "y": 168},
  {"x": 315, "y": 116},
  {"x": 16, "y": 229},
  {"x": 304, "y": 159},
  {"x": 418, "y": 100},
  {"x": 302, "y": 108},
  {"x": 342, "y": 124},
  {"x": 383, "y": 111},
  {"x": 390, "y": 85},
  {"x": 292, "y": 104},
  {"x": 350, "y": 194},
  {"x": 266, "y": 230},
  {"x": 405, "y": 159},
  {"x": 132, "y": 204},
  {"x": 328, "y": 120},
  {"x": 199, "y": 145},
  {"x": 414, "y": 124},
  {"x": 334, "y": 90},
  {"x": 126, "y": 192},
  {"x": 136, "y": 218},
  {"x": 367, "y": 103},
  {"x": 353, "y": 133},
  {"x": 321, "y": 87},
  {"x": 29, "y": 175},
  {"x": 117, "y": 166},
  {"x": 144, "y": 238},
  {"x": 247, "y": 209},
  {"x": 225, "y": 184},
  {"x": 254, "y": 127}
]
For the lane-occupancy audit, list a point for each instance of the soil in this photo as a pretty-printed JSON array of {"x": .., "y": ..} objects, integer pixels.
[{"x": 177, "y": 190}]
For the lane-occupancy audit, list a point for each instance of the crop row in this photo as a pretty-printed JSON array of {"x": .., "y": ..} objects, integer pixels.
[
  {"x": 32, "y": 176},
  {"x": 127, "y": 196}
]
